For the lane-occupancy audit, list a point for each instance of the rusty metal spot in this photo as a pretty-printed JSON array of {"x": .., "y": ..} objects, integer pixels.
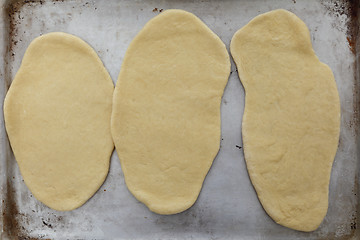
[
  {"x": 11, "y": 215},
  {"x": 349, "y": 8},
  {"x": 13, "y": 220}
]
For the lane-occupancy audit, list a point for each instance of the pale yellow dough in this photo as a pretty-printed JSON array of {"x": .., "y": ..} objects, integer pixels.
[
  {"x": 291, "y": 120},
  {"x": 166, "y": 115},
  {"x": 57, "y": 115}
]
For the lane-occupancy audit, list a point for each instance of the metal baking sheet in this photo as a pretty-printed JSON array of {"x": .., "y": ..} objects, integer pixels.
[{"x": 227, "y": 207}]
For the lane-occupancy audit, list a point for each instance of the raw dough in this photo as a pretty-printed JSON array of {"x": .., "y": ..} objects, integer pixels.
[
  {"x": 291, "y": 120},
  {"x": 166, "y": 115},
  {"x": 57, "y": 114}
]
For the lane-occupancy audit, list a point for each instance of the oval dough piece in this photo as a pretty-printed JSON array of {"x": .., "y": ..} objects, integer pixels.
[
  {"x": 57, "y": 114},
  {"x": 291, "y": 119},
  {"x": 166, "y": 115}
]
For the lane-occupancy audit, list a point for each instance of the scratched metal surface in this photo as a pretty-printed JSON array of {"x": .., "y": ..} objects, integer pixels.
[{"x": 227, "y": 207}]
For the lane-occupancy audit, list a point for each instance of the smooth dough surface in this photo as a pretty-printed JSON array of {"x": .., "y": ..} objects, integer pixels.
[
  {"x": 57, "y": 115},
  {"x": 166, "y": 115},
  {"x": 291, "y": 119}
]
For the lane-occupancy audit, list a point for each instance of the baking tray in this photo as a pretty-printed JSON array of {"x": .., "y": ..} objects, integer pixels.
[{"x": 227, "y": 207}]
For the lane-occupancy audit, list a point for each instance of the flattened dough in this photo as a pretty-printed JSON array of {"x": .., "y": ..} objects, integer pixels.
[
  {"x": 57, "y": 115},
  {"x": 166, "y": 115},
  {"x": 291, "y": 120}
]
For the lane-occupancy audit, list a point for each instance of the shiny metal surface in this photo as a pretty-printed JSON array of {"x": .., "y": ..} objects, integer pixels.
[{"x": 227, "y": 207}]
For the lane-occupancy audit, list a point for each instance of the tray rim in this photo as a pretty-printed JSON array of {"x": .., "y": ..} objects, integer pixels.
[{"x": 7, "y": 27}]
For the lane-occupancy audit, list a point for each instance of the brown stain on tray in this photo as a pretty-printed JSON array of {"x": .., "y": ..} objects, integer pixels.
[
  {"x": 11, "y": 215},
  {"x": 12, "y": 218},
  {"x": 10, "y": 212},
  {"x": 351, "y": 9},
  {"x": 353, "y": 27},
  {"x": 353, "y": 24},
  {"x": 11, "y": 9}
]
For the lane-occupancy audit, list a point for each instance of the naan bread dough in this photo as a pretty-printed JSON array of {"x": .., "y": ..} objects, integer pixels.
[
  {"x": 57, "y": 114},
  {"x": 291, "y": 120},
  {"x": 166, "y": 115}
]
